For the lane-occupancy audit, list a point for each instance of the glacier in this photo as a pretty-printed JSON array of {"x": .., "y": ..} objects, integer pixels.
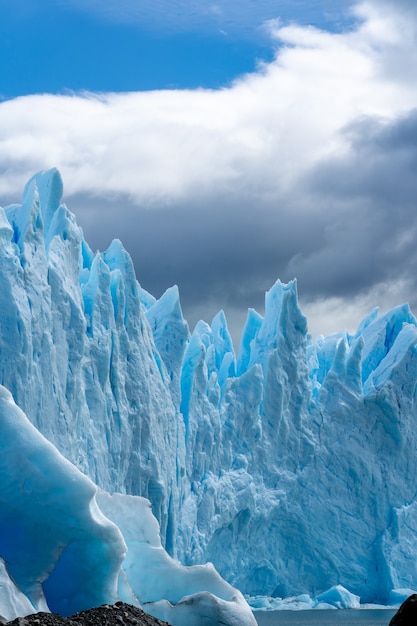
[{"x": 290, "y": 466}]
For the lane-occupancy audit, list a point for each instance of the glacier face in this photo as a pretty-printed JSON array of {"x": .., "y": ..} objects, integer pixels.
[{"x": 290, "y": 466}]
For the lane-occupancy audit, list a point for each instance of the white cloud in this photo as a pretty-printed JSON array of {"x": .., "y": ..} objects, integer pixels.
[
  {"x": 267, "y": 129},
  {"x": 253, "y": 145}
]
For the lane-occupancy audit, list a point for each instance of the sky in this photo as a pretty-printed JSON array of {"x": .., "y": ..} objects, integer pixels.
[{"x": 228, "y": 144}]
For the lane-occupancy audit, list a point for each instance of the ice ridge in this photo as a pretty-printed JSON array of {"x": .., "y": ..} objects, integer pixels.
[{"x": 290, "y": 466}]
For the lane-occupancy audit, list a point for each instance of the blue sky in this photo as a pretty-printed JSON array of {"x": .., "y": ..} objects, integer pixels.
[
  {"x": 53, "y": 47},
  {"x": 227, "y": 144}
]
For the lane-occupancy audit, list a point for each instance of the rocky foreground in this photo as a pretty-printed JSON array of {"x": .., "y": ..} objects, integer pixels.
[
  {"x": 119, "y": 614},
  {"x": 407, "y": 613}
]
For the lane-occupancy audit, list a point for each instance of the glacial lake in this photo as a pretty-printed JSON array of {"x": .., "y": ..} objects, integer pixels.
[{"x": 346, "y": 617}]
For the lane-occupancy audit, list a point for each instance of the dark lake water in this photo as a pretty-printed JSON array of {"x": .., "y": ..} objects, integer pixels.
[{"x": 346, "y": 617}]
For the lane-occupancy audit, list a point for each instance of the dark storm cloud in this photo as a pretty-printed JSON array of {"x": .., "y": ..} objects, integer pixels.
[
  {"x": 226, "y": 251},
  {"x": 349, "y": 225},
  {"x": 229, "y": 250},
  {"x": 370, "y": 196},
  {"x": 361, "y": 233}
]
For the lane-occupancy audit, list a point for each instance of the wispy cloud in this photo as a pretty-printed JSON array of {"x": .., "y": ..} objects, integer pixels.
[{"x": 306, "y": 169}]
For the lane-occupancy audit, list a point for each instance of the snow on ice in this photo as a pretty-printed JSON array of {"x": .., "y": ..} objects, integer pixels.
[{"x": 289, "y": 466}]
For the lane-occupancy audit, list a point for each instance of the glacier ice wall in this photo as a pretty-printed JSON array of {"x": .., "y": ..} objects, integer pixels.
[{"x": 291, "y": 465}]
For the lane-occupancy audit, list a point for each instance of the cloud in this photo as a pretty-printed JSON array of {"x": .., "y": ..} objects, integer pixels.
[{"x": 305, "y": 168}]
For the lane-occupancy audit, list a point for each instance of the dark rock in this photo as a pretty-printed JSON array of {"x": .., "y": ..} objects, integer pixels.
[
  {"x": 407, "y": 613},
  {"x": 119, "y": 614},
  {"x": 40, "y": 619}
]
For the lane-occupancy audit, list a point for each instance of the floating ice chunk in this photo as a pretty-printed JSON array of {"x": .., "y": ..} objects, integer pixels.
[
  {"x": 301, "y": 602},
  {"x": 338, "y": 597}
]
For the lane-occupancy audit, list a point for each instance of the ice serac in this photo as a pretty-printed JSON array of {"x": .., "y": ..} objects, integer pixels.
[
  {"x": 78, "y": 353},
  {"x": 290, "y": 466}
]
